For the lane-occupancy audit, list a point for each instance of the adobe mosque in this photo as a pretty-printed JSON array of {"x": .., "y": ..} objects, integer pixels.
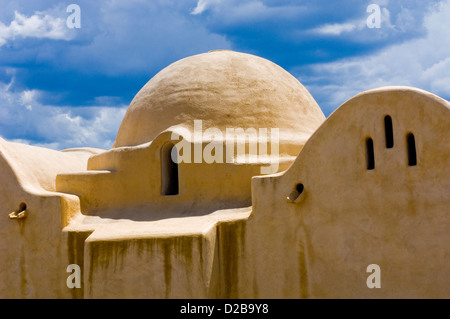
[{"x": 353, "y": 206}]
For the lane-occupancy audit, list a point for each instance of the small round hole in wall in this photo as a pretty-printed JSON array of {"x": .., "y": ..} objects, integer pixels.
[
  {"x": 22, "y": 207},
  {"x": 20, "y": 213},
  {"x": 296, "y": 194}
]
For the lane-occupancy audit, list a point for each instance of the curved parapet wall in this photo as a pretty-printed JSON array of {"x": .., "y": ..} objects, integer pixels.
[
  {"x": 33, "y": 247},
  {"x": 371, "y": 186},
  {"x": 37, "y": 167}
]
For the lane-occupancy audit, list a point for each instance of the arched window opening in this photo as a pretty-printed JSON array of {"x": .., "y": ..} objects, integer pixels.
[
  {"x": 412, "y": 155},
  {"x": 169, "y": 170},
  {"x": 389, "y": 131},
  {"x": 370, "y": 154}
]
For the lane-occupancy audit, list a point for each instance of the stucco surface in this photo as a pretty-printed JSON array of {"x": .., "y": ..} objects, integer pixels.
[
  {"x": 224, "y": 89},
  {"x": 308, "y": 231},
  {"x": 33, "y": 253},
  {"x": 349, "y": 217}
]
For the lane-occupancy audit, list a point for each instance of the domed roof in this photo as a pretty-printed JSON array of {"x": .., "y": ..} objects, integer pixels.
[{"x": 224, "y": 89}]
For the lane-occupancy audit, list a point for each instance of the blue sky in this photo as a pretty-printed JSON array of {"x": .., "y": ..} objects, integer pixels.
[{"x": 63, "y": 88}]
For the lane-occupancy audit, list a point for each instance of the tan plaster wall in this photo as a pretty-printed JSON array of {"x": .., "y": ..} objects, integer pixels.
[
  {"x": 186, "y": 257},
  {"x": 349, "y": 217},
  {"x": 34, "y": 251},
  {"x": 126, "y": 183},
  {"x": 134, "y": 243}
]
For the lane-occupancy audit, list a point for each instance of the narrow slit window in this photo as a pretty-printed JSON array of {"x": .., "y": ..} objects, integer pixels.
[
  {"x": 299, "y": 188},
  {"x": 389, "y": 131},
  {"x": 169, "y": 170},
  {"x": 412, "y": 155},
  {"x": 370, "y": 154}
]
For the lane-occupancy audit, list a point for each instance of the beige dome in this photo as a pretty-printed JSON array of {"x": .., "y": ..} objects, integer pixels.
[{"x": 224, "y": 89}]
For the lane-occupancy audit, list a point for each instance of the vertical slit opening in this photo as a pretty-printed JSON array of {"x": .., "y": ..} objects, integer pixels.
[
  {"x": 370, "y": 154},
  {"x": 169, "y": 170},
  {"x": 389, "y": 131},
  {"x": 412, "y": 155},
  {"x": 299, "y": 188}
]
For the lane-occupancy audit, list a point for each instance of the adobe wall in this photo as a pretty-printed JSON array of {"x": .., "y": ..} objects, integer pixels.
[{"x": 349, "y": 216}]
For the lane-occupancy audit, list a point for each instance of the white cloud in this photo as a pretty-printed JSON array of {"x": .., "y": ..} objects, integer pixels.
[
  {"x": 143, "y": 35},
  {"x": 238, "y": 12},
  {"x": 358, "y": 25},
  {"x": 27, "y": 97},
  {"x": 203, "y": 5},
  {"x": 39, "y": 25},
  {"x": 335, "y": 29},
  {"x": 422, "y": 63},
  {"x": 25, "y": 119}
]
